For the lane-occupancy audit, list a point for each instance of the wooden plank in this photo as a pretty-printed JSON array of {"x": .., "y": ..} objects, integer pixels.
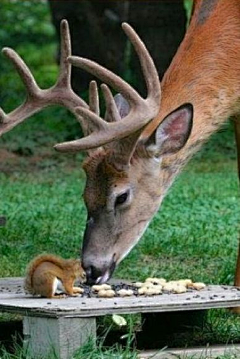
[
  {"x": 196, "y": 353},
  {"x": 56, "y": 337},
  {"x": 211, "y": 297},
  {"x": 11, "y": 281},
  {"x": 65, "y": 324},
  {"x": 11, "y": 285}
]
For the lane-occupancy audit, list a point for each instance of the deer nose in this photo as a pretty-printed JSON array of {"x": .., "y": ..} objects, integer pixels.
[{"x": 98, "y": 275}]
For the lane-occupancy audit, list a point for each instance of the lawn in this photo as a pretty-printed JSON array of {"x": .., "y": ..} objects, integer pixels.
[{"x": 195, "y": 234}]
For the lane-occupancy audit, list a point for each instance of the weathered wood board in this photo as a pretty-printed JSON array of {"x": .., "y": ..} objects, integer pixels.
[
  {"x": 57, "y": 337},
  {"x": 231, "y": 351},
  {"x": 13, "y": 299},
  {"x": 46, "y": 321}
]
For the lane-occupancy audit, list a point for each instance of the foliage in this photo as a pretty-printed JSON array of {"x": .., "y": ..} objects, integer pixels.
[
  {"x": 188, "y": 7},
  {"x": 88, "y": 351},
  {"x": 25, "y": 20}
]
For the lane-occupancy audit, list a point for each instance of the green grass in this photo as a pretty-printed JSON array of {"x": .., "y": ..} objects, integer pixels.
[
  {"x": 46, "y": 213},
  {"x": 89, "y": 351},
  {"x": 195, "y": 234}
]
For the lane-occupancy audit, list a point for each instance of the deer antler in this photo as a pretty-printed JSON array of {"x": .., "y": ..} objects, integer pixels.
[
  {"x": 61, "y": 93},
  {"x": 141, "y": 110}
]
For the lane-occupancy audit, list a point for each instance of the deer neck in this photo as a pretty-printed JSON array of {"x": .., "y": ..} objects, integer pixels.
[
  {"x": 211, "y": 111},
  {"x": 205, "y": 72}
]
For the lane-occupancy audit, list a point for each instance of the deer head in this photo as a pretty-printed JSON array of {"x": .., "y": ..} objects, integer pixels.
[
  {"x": 124, "y": 186},
  {"x": 124, "y": 177}
]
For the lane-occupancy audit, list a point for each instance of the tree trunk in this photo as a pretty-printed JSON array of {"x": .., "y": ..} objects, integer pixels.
[{"x": 96, "y": 33}]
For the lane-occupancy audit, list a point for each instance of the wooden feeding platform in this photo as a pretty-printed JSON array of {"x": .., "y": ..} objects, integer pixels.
[{"x": 63, "y": 325}]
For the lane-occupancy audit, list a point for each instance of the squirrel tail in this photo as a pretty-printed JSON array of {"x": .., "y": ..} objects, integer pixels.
[{"x": 34, "y": 264}]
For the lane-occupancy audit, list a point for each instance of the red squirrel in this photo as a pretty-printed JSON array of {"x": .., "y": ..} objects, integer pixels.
[{"x": 47, "y": 275}]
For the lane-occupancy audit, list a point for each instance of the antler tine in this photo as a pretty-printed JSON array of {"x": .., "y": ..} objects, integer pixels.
[
  {"x": 94, "y": 98},
  {"x": 147, "y": 64},
  {"x": 23, "y": 71},
  {"x": 95, "y": 122},
  {"x": 108, "y": 132},
  {"x": 148, "y": 68},
  {"x": 112, "y": 113},
  {"x": 66, "y": 51},
  {"x": 2, "y": 116},
  {"x": 142, "y": 111},
  {"x": 107, "y": 76},
  {"x": 91, "y": 125},
  {"x": 60, "y": 94}
]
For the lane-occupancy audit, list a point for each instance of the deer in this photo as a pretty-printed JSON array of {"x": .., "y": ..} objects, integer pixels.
[{"x": 137, "y": 149}]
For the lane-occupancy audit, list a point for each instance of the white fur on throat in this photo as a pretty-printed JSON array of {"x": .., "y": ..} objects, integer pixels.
[{"x": 58, "y": 287}]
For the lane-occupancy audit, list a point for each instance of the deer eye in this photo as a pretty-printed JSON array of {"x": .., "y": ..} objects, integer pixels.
[{"x": 121, "y": 198}]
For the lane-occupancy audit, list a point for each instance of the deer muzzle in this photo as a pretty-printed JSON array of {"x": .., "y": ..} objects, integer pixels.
[
  {"x": 96, "y": 274},
  {"x": 97, "y": 259}
]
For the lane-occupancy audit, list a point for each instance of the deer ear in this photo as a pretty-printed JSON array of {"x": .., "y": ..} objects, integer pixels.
[
  {"x": 172, "y": 133},
  {"x": 122, "y": 105}
]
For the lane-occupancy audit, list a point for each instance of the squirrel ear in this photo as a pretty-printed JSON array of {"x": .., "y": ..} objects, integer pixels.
[{"x": 172, "y": 133}]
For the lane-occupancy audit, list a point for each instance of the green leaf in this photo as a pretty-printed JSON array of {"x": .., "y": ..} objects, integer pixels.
[{"x": 119, "y": 320}]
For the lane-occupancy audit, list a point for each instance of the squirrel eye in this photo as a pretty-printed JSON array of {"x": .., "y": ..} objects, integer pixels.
[{"x": 121, "y": 198}]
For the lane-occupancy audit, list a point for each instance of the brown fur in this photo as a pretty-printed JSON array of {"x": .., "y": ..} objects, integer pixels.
[
  {"x": 94, "y": 159},
  {"x": 206, "y": 73},
  {"x": 45, "y": 268},
  {"x": 100, "y": 169}
]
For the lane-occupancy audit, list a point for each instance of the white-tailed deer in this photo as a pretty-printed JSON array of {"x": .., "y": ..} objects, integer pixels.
[{"x": 135, "y": 153}]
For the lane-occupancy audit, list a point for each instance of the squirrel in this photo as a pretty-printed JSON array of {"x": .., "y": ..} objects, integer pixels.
[{"x": 47, "y": 275}]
